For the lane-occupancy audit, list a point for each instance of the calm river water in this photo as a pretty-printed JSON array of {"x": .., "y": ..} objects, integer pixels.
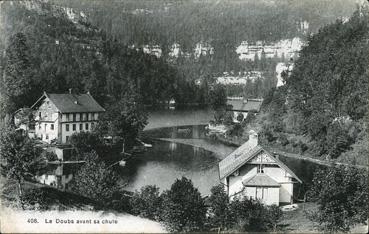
[{"x": 166, "y": 161}]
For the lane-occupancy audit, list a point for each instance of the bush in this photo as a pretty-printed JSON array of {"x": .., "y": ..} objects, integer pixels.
[
  {"x": 219, "y": 208},
  {"x": 95, "y": 180},
  {"x": 36, "y": 199},
  {"x": 147, "y": 202},
  {"x": 240, "y": 117},
  {"x": 50, "y": 156},
  {"x": 183, "y": 207},
  {"x": 338, "y": 140},
  {"x": 342, "y": 197},
  {"x": 252, "y": 216},
  {"x": 85, "y": 142}
]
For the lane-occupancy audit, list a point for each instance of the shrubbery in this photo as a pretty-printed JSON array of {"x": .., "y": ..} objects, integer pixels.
[
  {"x": 342, "y": 197},
  {"x": 95, "y": 180},
  {"x": 182, "y": 209},
  {"x": 147, "y": 202},
  {"x": 241, "y": 214}
]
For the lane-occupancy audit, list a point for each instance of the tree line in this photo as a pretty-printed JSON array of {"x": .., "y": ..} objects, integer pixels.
[
  {"x": 45, "y": 51},
  {"x": 325, "y": 99}
]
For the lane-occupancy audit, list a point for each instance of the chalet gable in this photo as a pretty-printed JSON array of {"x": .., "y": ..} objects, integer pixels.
[{"x": 250, "y": 153}]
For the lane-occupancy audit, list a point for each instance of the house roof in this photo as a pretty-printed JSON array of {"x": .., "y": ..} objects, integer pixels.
[
  {"x": 242, "y": 155},
  {"x": 237, "y": 158},
  {"x": 245, "y": 104},
  {"x": 71, "y": 103},
  {"x": 262, "y": 180}
]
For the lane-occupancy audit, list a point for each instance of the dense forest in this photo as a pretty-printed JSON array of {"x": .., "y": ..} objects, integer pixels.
[
  {"x": 222, "y": 24},
  {"x": 49, "y": 46},
  {"x": 323, "y": 109},
  {"x": 43, "y": 50}
]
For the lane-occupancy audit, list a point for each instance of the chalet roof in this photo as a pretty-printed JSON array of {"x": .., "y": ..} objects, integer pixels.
[
  {"x": 261, "y": 180},
  {"x": 72, "y": 103},
  {"x": 245, "y": 104},
  {"x": 242, "y": 155}
]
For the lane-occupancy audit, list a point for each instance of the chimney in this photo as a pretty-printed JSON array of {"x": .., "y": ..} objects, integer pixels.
[
  {"x": 253, "y": 138},
  {"x": 70, "y": 90}
]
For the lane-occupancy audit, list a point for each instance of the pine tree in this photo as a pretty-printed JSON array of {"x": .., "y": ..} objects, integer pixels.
[{"x": 17, "y": 81}]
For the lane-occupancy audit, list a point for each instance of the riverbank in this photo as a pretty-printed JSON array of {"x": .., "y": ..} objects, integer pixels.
[
  {"x": 216, "y": 145},
  {"x": 221, "y": 151}
]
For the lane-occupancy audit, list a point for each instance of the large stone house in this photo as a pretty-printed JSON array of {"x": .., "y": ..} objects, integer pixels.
[
  {"x": 253, "y": 172},
  {"x": 58, "y": 116}
]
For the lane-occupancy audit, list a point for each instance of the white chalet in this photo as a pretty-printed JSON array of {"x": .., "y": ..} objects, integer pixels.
[
  {"x": 253, "y": 172},
  {"x": 58, "y": 116}
]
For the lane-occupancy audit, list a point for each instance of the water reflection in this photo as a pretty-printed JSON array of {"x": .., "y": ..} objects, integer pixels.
[
  {"x": 59, "y": 176},
  {"x": 186, "y": 132},
  {"x": 166, "y": 161},
  {"x": 162, "y": 164}
]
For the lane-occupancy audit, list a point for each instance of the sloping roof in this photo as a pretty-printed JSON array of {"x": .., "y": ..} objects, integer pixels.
[
  {"x": 237, "y": 158},
  {"x": 72, "y": 103},
  {"x": 242, "y": 155},
  {"x": 245, "y": 105},
  {"x": 260, "y": 179}
]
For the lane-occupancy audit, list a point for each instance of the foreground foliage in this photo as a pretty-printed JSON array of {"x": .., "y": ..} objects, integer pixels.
[
  {"x": 342, "y": 196},
  {"x": 95, "y": 180},
  {"x": 241, "y": 214},
  {"x": 183, "y": 207},
  {"x": 20, "y": 158}
]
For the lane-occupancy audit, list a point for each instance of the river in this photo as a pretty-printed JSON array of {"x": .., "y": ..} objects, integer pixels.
[{"x": 166, "y": 161}]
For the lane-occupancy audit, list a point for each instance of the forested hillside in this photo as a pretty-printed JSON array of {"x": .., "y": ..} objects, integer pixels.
[
  {"x": 222, "y": 24},
  {"x": 323, "y": 109},
  {"x": 42, "y": 49}
]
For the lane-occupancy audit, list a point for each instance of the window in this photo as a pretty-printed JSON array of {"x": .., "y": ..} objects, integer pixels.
[
  {"x": 39, "y": 115},
  {"x": 92, "y": 116},
  {"x": 261, "y": 193},
  {"x": 92, "y": 126},
  {"x": 86, "y": 126},
  {"x": 87, "y": 114},
  {"x": 67, "y": 117},
  {"x": 47, "y": 136},
  {"x": 74, "y": 117},
  {"x": 45, "y": 126},
  {"x": 52, "y": 126},
  {"x": 80, "y": 127},
  {"x": 261, "y": 168},
  {"x": 74, "y": 127},
  {"x": 67, "y": 127},
  {"x": 39, "y": 126},
  {"x": 67, "y": 139}
]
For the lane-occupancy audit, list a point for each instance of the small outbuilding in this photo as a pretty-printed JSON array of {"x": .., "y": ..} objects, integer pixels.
[{"x": 240, "y": 105}]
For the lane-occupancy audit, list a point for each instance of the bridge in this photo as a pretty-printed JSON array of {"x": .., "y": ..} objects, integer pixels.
[{"x": 174, "y": 118}]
